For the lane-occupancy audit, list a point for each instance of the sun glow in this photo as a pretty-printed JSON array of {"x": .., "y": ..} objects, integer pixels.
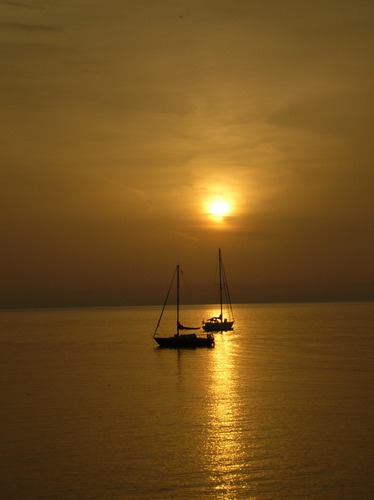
[
  {"x": 219, "y": 208},
  {"x": 219, "y": 205}
]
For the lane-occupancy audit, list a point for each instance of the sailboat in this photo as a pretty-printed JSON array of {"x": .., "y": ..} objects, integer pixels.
[
  {"x": 221, "y": 323},
  {"x": 181, "y": 340}
]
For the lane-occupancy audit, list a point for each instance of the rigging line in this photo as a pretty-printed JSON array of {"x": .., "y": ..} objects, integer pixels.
[
  {"x": 166, "y": 300},
  {"x": 227, "y": 292},
  {"x": 214, "y": 287}
]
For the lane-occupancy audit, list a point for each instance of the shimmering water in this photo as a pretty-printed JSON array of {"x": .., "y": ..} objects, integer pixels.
[{"x": 282, "y": 407}]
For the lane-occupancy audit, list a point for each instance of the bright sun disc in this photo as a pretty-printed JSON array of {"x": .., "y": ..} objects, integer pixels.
[{"x": 219, "y": 208}]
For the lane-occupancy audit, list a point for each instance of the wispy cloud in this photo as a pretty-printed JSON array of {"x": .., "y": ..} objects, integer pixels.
[
  {"x": 31, "y": 27},
  {"x": 27, "y": 5},
  {"x": 124, "y": 121}
]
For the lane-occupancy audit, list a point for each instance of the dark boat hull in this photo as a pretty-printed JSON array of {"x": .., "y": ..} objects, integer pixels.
[
  {"x": 188, "y": 341},
  {"x": 218, "y": 326}
]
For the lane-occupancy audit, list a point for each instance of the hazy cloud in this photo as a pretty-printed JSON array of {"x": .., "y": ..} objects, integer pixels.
[
  {"x": 30, "y": 27},
  {"x": 121, "y": 120}
]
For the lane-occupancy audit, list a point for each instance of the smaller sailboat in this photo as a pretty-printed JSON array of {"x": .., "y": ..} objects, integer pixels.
[
  {"x": 181, "y": 340},
  {"x": 225, "y": 321}
]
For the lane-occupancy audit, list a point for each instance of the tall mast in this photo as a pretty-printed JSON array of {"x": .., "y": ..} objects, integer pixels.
[
  {"x": 220, "y": 281},
  {"x": 177, "y": 299}
]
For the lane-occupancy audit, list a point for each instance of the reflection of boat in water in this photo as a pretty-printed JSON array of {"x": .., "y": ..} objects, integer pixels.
[
  {"x": 181, "y": 340},
  {"x": 221, "y": 323}
]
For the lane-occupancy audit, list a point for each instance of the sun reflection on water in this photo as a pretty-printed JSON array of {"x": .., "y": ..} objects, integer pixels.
[{"x": 226, "y": 441}]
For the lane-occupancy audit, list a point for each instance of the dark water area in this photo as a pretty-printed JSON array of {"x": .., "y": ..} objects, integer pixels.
[{"x": 282, "y": 407}]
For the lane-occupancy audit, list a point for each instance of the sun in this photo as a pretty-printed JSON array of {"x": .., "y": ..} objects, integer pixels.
[{"x": 219, "y": 208}]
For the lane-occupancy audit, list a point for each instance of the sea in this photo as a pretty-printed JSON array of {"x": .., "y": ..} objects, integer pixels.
[{"x": 281, "y": 408}]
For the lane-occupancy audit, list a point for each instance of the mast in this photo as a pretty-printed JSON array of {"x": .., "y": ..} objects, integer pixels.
[
  {"x": 227, "y": 292},
  {"x": 220, "y": 281},
  {"x": 177, "y": 299}
]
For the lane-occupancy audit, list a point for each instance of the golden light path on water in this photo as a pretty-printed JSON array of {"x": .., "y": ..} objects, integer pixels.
[{"x": 228, "y": 445}]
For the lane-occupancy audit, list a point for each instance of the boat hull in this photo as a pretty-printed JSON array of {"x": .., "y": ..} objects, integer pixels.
[
  {"x": 218, "y": 326},
  {"x": 188, "y": 341}
]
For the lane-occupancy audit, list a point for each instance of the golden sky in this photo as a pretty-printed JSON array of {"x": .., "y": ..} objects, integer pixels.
[{"x": 123, "y": 121}]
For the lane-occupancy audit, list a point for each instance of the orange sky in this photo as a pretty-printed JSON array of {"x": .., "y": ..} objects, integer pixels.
[{"x": 122, "y": 120}]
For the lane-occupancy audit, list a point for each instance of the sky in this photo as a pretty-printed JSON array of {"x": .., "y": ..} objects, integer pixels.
[{"x": 123, "y": 121}]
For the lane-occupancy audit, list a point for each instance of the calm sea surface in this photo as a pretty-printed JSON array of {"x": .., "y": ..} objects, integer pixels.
[{"x": 283, "y": 407}]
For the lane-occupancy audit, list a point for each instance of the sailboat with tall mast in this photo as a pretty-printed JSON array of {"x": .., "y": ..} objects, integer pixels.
[
  {"x": 225, "y": 321},
  {"x": 181, "y": 340}
]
